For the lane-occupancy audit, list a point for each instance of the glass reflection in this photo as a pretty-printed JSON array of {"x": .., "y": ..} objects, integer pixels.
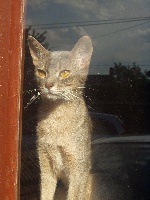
[{"x": 116, "y": 93}]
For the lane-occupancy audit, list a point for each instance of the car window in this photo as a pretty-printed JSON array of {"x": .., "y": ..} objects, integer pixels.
[{"x": 103, "y": 128}]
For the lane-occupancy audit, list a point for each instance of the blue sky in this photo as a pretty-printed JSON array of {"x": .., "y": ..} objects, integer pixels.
[{"x": 124, "y": 42}]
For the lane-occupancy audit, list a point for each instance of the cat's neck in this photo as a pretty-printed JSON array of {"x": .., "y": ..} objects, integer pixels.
[
  {"x": 52, "y": 105},
  {"x": 60, "y": 107}
]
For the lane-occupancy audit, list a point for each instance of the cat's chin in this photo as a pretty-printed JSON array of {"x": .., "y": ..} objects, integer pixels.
[{"x": 52, "y": 97}]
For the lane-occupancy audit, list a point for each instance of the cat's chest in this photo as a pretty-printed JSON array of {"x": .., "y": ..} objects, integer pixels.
[
  {"x": 56, "y": 124},
  {"x": 62, "y": 122},
  {"x": 63, "y": 125}
]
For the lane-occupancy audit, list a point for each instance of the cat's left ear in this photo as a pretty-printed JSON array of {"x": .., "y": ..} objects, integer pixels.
[
  {"x": 37, "y": 50},
  {"x": 82, "y": 51}
]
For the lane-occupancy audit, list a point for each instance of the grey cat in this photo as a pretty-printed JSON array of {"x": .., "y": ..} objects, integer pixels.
[{"x": 64, "y": 126}]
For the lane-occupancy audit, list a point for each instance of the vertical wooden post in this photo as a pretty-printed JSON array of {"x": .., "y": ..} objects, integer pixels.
[{"x": 11, "y": 42}]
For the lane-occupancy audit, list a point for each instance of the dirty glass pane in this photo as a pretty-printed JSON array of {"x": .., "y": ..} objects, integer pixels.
[{"x": 116, "y": 92}]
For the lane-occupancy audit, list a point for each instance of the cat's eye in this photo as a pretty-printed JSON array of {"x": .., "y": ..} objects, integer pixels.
[
  {"x": 64, "y": 73},
  {"x": 41, "y": 73}
]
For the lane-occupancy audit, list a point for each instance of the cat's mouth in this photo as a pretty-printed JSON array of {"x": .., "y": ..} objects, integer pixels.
[
  {"x": 55, "y": 94},
  {"x": 51, "y": 94}
]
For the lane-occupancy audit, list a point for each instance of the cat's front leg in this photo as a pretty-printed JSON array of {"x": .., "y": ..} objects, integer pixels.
[
  {"x": 79, "y": 165},
  {"x": 48, "y": 179},
  {"x": 78, "y": 186}
]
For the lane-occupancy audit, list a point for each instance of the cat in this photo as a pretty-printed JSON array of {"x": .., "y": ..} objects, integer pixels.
[{"x": 64, "y": 125}]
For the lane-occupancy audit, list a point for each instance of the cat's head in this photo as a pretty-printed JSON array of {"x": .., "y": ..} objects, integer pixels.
[{"x": 61, "y": 74}]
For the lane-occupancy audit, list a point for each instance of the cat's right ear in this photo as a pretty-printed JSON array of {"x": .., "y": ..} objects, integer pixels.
[{"x": 37, "y": 50}]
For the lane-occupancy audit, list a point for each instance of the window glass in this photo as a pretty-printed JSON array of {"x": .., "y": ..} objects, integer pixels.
[{"x": 116, "y": 92}]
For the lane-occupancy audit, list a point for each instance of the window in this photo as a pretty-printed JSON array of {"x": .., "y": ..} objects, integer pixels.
[{"x": 116, "y": 91}]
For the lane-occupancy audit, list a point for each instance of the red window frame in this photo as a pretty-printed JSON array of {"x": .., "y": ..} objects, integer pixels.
[{"x": 11, "y": 51}]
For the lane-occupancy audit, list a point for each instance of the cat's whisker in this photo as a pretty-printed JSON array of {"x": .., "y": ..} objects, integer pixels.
[
  {"x": 33, "y": 98},
  {"x": 31, "y": 91},
  {"x": 90, "y": 100},
  {"x": 87, "y": 97},
  {"x": 58, "y": 91},
  {"x": 74, "y": 96},
  {"x": 81, "y": 87},
  {"x": 65, "y": 96}
]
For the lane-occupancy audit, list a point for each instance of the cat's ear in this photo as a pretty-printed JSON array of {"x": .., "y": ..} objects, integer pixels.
[
  {"x": 37, "y": 50},
  {"x": 82, "y": 51}
]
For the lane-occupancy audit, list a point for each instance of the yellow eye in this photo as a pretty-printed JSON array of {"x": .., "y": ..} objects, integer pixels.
[
  {"x": 41, "y": 73},
  {"x": 64, "y": 73}
]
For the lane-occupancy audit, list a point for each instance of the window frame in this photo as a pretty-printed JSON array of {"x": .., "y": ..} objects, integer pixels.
[{"x": 11, "y": 73}]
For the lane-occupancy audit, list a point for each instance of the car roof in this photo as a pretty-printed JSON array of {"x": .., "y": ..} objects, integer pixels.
[{"x": 123, "y": 139}]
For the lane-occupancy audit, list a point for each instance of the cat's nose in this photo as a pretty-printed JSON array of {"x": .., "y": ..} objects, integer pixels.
[{"x": 49, "y": 85}]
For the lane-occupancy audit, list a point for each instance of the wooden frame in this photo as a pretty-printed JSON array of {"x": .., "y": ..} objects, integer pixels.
[{"x": 11, "y": 45}]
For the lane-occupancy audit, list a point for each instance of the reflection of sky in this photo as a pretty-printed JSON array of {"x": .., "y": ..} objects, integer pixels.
[{"x": 126, "y": 42}]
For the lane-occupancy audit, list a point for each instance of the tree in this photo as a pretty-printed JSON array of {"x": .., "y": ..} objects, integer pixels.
[
  {"x": 128, "y": 74},
  {"x": 40, "y": 37},
  {"x": 129, "y": 82}
]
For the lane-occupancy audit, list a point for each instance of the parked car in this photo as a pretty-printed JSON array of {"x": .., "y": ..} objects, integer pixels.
[
  {"x": 106, "y": 125},
  {"x": 120, "y": 167}
]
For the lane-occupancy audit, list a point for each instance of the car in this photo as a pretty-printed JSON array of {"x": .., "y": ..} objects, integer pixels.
[
  {"x": 106, "y": 125},
  {"x": 120, "y": 167}
]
